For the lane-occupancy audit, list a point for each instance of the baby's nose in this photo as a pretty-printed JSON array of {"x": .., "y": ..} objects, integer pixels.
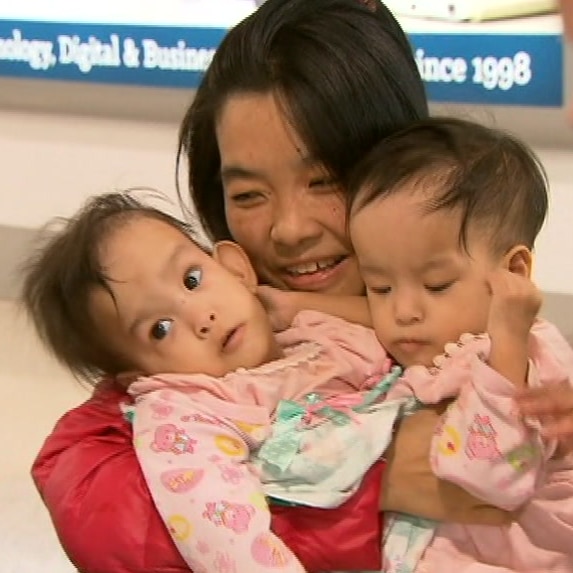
[{"x": 205, "y": 324}]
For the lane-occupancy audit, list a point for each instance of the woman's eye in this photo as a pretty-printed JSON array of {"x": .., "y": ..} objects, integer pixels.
[
  {"x": 192, "y": 279},
  {"x": 322, "y": 182},
  {"x": 161, "y": 328},
  {"x": 440, "y": 287},
  {"x": 247, "y": 197}
]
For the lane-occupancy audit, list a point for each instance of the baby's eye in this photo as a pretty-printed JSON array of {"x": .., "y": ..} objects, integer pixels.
[
  {"x": 381, "y": 290},
  {"x": 192, "y": 279},
  {"x": 439, "y": 287},
  {"x": 161, "y": 328}
]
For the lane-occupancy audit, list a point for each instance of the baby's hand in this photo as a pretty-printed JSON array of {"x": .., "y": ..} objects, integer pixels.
[
  {"x": 515, "y": 302},
  {"x": 280, "y": 305}
]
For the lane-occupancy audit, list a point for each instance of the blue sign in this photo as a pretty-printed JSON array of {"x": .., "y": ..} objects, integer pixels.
[
  {"x": 116, "y": 54},
  {"x": 507, "y": 69},
  {"x": 504, "y": 69}
]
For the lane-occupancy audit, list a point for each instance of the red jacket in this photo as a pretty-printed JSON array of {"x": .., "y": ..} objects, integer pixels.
[{"x": 89, "y": 478}]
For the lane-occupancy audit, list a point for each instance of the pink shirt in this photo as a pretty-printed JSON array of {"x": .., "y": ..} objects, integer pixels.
[
  {"x": 194, "y": 434},
  {"x": 483, "y": 445}
]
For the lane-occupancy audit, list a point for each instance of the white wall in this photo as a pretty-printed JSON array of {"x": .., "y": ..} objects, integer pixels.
[
  {"x": 51, "y": 163},
  {"x": 554, "y": 256}
]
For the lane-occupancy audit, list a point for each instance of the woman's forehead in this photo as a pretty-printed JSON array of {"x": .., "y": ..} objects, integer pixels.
[{"x": 253, "y": 128}]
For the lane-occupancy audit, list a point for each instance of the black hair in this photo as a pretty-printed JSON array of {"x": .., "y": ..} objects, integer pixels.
[
  {"x": 342, "y": 70},
  {"x": 494, "y": 179}
]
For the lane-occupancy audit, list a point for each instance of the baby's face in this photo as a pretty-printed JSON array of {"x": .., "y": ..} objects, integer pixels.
[
  {"x": 175, "y": 308},
  {"x": 423, "y": 289}
]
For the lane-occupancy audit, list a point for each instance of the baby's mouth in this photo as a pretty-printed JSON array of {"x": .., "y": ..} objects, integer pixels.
[
  {"x": 233, "y": 339},
  {"x": 228, "y": 337}
]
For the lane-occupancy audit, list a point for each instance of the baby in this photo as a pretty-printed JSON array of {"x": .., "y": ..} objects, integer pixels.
[
  {"x": 124, "y": 290},
  {"x": 443, "y": 219}
]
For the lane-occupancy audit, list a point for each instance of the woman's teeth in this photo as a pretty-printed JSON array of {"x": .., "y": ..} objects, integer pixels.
[{"x": 310, "y": 268}]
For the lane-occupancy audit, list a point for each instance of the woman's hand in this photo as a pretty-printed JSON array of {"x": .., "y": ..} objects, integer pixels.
[
  {"x": 281, "y": 306},
  {"x": 410, "y": 486},
  {"x": 553, "y": 406}
]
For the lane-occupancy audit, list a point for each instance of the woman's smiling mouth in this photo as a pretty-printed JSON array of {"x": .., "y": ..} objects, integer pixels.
[
  {"x": 314, "y": 275},
  {"x": 314, "y": 267}
]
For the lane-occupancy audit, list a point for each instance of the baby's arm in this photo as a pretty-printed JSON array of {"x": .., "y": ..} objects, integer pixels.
[
  {"x": 410, "y": 486},
  {"x": 482, "y": 443},
  {"x": 484, "y": 446},
  {"x": 515, "y": 302},
  {"x": 351, "y": 308},
  {"x": 195, "y": 464},
  {"x": 283, "y": 306}
]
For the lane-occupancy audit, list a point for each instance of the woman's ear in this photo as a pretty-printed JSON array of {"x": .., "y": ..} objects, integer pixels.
[
  {"x": 519, "y": 260},
  {"x": 235, "y": 260}
]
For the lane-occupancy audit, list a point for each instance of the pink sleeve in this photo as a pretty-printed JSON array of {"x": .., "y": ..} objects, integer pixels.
[
  {"x": 357, "y": 345},
  {"x": 483, "y": 445},
  {"x": 551, "y": 353},
  {"x": 195, "y": 465}
]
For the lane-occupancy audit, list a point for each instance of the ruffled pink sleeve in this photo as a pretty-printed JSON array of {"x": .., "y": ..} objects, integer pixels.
[{"x": 483, "y": 444}]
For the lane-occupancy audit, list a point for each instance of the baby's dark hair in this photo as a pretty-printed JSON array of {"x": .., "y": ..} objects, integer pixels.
[
  {"x": 495, "y": 180},
  {"x": 60, "y": 276}
]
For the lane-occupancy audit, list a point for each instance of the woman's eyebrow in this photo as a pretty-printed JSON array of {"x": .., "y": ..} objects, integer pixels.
[
  {"x": 309, "y": 160},
  {"x": 231, "y": 173}
]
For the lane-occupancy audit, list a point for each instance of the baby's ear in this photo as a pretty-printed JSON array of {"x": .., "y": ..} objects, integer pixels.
[
  {"x": 235, "y": 260},
  {"x": 519, "y": 260}
]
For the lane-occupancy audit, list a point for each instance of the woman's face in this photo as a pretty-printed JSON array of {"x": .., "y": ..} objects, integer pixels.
[{"x": 281, "y": 205}]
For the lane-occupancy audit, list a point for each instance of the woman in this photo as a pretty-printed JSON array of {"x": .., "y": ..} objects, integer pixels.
[
  {"x": 296, "y": 94},
  {"x": 314, "y": 86}
]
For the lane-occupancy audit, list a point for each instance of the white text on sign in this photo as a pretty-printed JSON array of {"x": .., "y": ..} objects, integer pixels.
[{"x": 490, "y": 72}]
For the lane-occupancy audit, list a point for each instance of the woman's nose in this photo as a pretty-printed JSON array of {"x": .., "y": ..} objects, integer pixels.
[{"x": 293, "y": 224}]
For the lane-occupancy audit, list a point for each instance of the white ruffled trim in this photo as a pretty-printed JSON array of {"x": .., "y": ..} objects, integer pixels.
[
  {"x": 304, "y": 352},
  {"x": 476, "y": 344}
]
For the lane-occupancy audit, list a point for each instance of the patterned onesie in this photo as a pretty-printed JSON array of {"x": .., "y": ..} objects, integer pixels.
[
  {"x": 195, "y": 435},
  {"x": 483, "y": 445}
]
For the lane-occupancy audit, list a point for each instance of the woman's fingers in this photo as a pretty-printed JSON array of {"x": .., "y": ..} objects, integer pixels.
[
  {"x": 553, "y": 400},
  {"x": 560, "y": 428},
  {"x": 553, "y": 406}
]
